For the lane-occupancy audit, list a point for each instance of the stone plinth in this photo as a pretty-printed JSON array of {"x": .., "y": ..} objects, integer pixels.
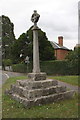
[
  {"x": 42, "y": 84},
  {"x": 35, "y": 93},
  {"x": 43, "y": 99},
  {"x": 37, "y": 76},
  {"x": 31, "y": 92}
]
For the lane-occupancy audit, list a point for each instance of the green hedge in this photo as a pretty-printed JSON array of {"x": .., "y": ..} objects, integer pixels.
[
  {"x": 54, "y": 67},
  {"x": 51, "y": 67},
  {"x": 22, "y": 68},
  {"x": 60, "y": 68}
]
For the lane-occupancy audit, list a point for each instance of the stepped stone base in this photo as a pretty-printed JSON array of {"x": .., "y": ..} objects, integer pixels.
[
  {"x": 28, "y": 84},
  {"x": 43, "y": 99},
  {"x": 38, "y": 90},
  {"x": 31, "y": 94}
]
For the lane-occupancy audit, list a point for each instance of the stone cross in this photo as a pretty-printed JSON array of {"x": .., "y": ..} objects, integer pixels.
[
  {"x": 37, "y": 90},
  {"x": 36, "y": 74},
  {"x": 34, "y": 19}
]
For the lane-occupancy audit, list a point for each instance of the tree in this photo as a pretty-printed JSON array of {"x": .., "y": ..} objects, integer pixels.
[
  {"x": 45, "y": 48},
  {"x": 6, "y": 62},
  {"x": 8, "y": 37},
  {"x": 24, "y": 46},
  {"x": 74, "y": 59},
  {"x": 21, "y": 46},
  {"x": 74, "y": 55}
]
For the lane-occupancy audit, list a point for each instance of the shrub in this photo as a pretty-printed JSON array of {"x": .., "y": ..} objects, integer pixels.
[
  {"x": 6, "y": 62},
  {"x": 55, "y": 67},
  {"x": 22, "y": 68},
  {"x": 50, "y": 67}
]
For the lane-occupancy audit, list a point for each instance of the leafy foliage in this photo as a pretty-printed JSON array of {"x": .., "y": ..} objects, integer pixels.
[
  {"x": 24, "y": 45},
  {"x": 51, "y": 67},
  {"x": 11, "y": 48},
  {"x": 21, "y": 46},
  {"x": 74, "y": 55},
  {"x": 46, "y": 49},
  {"x": 74, "y": 59},
  {"x": 7, "y": 62},
  {"x": 8, "y": 37}
]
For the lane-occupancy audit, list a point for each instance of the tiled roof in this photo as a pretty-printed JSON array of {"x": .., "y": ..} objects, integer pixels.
[{"x": 57, "y": 46}]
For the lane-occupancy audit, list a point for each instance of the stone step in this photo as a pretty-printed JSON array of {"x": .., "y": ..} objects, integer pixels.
[
  {"x": 31, "y": 94},
  {"x": 37, "y": 84},
  {"x": 37, "y": 76},
  {"x": 18, "y": 90},
  {"x": 43, "y": 99}
]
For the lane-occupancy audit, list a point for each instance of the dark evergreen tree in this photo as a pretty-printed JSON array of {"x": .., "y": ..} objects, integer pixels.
[
  {"x": 8, "y": 37},
  {"x": 24, "y": 46}
]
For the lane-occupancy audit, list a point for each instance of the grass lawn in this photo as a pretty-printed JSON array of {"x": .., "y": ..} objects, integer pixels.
[
  {"x": 73, "y": 80},
  {"x": 61, "y": 109}
]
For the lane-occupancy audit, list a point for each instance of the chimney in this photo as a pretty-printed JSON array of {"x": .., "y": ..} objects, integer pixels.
[{"x": 60, "y": 40}]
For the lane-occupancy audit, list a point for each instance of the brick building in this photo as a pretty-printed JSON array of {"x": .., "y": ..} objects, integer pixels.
[{"x": 60, "y": 50}]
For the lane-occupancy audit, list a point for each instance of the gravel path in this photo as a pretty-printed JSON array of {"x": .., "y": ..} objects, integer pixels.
[
  {"x": 69, "y": 86},
  {"x": 7, "y": 74}
]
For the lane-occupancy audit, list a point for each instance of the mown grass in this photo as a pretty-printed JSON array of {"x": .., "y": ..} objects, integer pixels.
[
  {"x": 12, "y": 80},
  {"x": 61, "y": 109},
  {"x": 73, "y": 80}
]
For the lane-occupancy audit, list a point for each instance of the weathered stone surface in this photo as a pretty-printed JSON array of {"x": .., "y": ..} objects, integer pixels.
[
  {"x": 37, "y": 76},
  {"x": 31, "y": 94},
  {"x": 37, "y": 84},
  {"x": 18, "y": 90},
  {"x": 43, "y": 99},
  {"x": 36, "y": 64}
]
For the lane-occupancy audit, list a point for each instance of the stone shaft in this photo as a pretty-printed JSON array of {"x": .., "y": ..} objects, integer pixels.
[{"x": 36, "y": 66}]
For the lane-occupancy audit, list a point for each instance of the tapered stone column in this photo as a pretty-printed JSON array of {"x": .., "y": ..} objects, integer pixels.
[
  {"x": 36, "y": 66},
  {"x": 36, "y": 74}
]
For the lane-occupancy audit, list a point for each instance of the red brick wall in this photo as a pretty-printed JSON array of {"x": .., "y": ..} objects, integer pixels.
[
  {"x": 60, "y": 41},
  {"x": 61, "y": 54}
]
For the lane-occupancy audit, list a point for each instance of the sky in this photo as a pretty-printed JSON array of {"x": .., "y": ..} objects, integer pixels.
[{"x": 57, "y": 18}]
